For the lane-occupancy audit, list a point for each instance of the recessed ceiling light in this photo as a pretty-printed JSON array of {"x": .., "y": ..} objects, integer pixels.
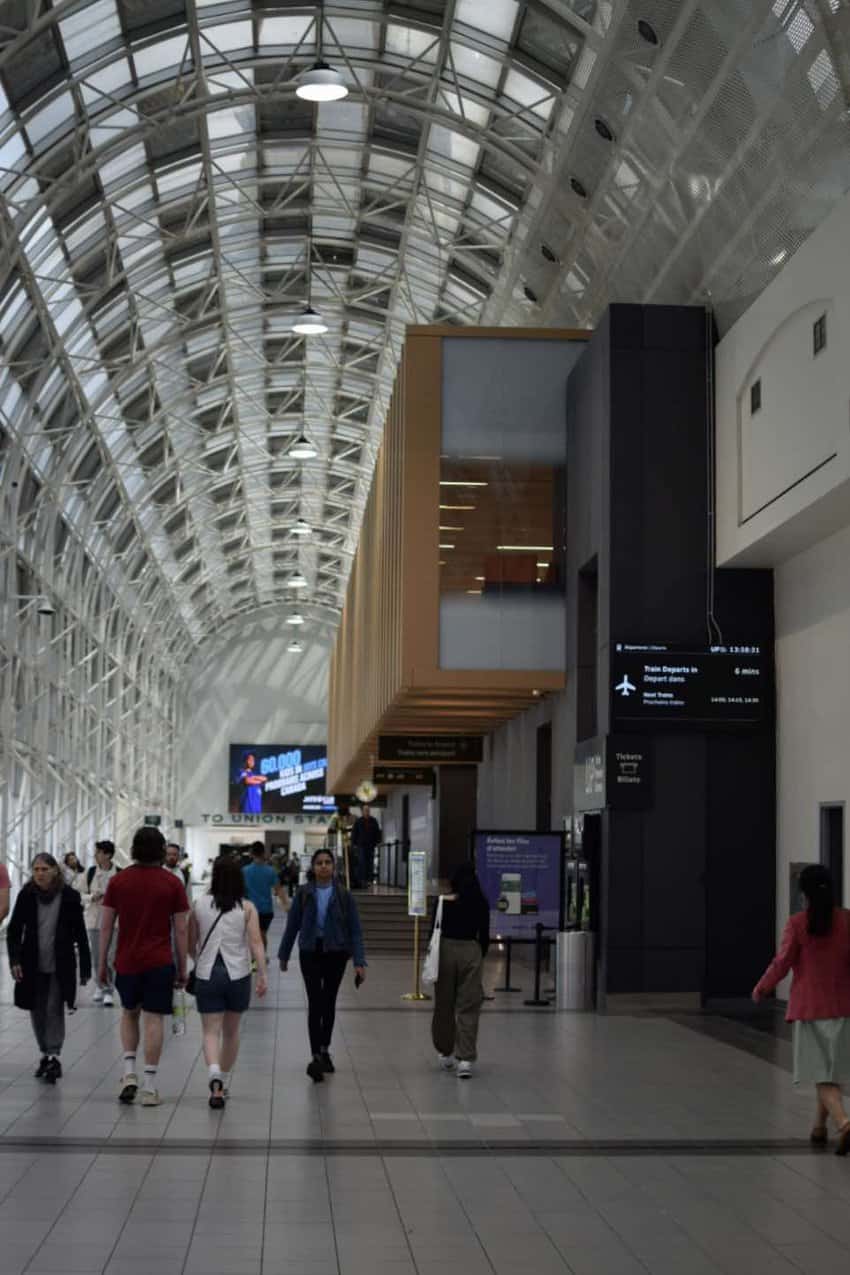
[
  {"x": 647, "y": 32},
  {"x": 295, "y": 618},
  {"x": 447, "y": 546},
  {"x": 458, "y": 508},
  {"x": 309, "y": 323},
  {"x": 454, "y": 482},
  {"x": 303, "y": 449},
  {"x": 525, "y": 548},
  {"x": 321, "y": 84}
]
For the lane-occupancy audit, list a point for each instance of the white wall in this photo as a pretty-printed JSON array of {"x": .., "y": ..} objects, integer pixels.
[
  {"x": 813, "y": 700},
  {"x": 507, "y": 779},
  {"x": 244, "y": 687},
  {"x": 783, "y": 474}
]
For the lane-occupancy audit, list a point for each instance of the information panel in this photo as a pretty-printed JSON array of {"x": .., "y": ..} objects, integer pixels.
[
  {"x": 520, "y": 873},
  {"x": 417, "y": 883},
  {"x": 663, "y": 684}
]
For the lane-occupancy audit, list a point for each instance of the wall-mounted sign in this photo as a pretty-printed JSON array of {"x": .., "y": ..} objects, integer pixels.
[
  {"x": 405, "y": 776},
  {"x": 432, "y": 749},
  {"x": 417, "y": 883},
  {"x": 266, "y": 821},
  {"x": 152, "y": 821},
  {"x": 659, "y": 684},
  {"x": 612, "y": 772}
]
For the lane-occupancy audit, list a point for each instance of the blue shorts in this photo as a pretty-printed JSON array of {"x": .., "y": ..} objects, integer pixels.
[
  {"x": 220, "y": 994},
  {"x": 151, "y": 990}
]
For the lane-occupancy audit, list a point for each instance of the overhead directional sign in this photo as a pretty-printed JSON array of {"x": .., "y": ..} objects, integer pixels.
[
  {"x": 663, "y": 684},
  {"x": 430, "y": 748}
]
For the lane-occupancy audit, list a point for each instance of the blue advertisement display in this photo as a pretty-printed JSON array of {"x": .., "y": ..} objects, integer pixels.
[
  {"x": 276, "y": 779},
  {"x": 520, "y": 873}
]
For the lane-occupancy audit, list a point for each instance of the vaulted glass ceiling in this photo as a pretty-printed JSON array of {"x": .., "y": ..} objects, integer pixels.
[{"x": 168, "y": 206}]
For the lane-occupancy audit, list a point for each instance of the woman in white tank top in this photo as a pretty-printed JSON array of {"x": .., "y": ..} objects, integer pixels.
[{"x": 224, "y": 933}]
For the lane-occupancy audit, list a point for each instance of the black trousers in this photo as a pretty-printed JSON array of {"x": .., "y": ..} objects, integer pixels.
[{"x": 322, "y": 973}]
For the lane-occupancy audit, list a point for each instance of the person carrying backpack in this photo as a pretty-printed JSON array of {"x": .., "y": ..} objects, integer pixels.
[{"x": 325, "y": 920}]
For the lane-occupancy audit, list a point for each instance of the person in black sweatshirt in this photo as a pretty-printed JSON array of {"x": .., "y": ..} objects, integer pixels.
[{"x": 458, "y": 994}]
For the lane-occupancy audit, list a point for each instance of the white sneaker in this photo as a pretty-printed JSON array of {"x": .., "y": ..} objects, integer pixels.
[
  {"x": 150, "y": 1098},
  {"x": 446, "y": 1062},
  {"x": 464, "y": 1070},
  {"x": 129, "y": 1088},
  {"x": 108, "y": 999},
  {"x": 98, "y": 997}
]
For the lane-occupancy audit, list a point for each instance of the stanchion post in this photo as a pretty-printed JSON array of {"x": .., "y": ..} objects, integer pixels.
[
  {"x": 417, "y": 994},
  {"x": 509, "y": 947},
  {"x": 538, "y": 960}
]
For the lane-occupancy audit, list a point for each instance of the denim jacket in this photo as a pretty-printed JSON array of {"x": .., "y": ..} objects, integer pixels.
[{"x": 343, "y": 932}]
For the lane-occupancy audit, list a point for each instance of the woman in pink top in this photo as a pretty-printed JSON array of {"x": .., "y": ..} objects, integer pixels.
[{"x": 816, "y": 946}]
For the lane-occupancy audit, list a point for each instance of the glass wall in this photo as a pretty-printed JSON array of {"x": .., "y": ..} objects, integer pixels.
[{"x": 501, "y": 502}]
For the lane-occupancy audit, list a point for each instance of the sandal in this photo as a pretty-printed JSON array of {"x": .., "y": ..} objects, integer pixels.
[
  {"x": 843, "y": 1145},
  {"x": 217, "y": 1098},
  {"x": 819, "y": 1136}
]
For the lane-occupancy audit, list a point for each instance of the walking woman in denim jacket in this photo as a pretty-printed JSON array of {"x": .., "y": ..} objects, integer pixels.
[{"x": 325, "y": 920}]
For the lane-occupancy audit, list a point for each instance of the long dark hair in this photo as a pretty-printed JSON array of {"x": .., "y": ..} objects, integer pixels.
[
  {"x": 228, "y": 885},
  {"x": 816, "y": 885},
  {"x": 465, "y": 883}
]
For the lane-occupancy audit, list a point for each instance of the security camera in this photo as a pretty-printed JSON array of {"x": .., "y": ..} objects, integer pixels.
[{"x": 45, "y": 607}]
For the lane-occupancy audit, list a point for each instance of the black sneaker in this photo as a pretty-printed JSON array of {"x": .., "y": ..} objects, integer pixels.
[
  {"x": 327, "y": 1063},
  {"x": 53, "y": 1071},
  {"x": 42, "y": 1067},
  {"x": 315, "y": 1069},
  {"x": 217, "y": 1098}
]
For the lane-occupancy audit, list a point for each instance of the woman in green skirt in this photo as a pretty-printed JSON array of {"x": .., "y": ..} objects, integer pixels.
[{"x": 816, "y": 946}]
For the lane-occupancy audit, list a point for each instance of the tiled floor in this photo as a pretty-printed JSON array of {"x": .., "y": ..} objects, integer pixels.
[{"x": 612, "y": 1145}]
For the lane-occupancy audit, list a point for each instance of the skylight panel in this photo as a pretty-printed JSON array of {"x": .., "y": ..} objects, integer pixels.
[
  {"x": 89, "y": 28},
  {"x": 109, "y": 81},
  {"x": 453, "y": 146},
  {"x": 469, "y": 111},
  {"x": 471, "y": 65},
  {"x": 408, "y": 42},
  {"x": 228, "y": 37},
  {"x": 529, "y": 93},
  {"x": 12, "y": 150},
  {"x": 496, "y": 17},
  {"x": 161, "y": 56},
  {"x": 823, "y": 79},
  {"x": 342, "y": 34},
  {"x": 287, "y": 30},
  {"x": 57, "y": 112},
  {"x": 232, "y": 122}
]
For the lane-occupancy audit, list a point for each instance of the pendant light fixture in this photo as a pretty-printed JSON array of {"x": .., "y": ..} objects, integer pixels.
[
  {"x": 295, "y": 647},
  {"x": 301, "y": 528},
  {"x": 321, "y": 84},
  {"x": 310, "y": 323},
  {"x": 297, "y": 581},
  {"x": 303, "y": 449},
  {"x": 295, "y": 619}
]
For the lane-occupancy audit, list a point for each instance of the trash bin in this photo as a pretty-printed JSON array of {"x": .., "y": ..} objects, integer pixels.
[{"x": 576, "y": 974}]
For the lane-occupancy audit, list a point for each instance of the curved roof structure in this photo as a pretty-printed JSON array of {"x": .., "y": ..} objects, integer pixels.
[{"x": 170, "y": 205}]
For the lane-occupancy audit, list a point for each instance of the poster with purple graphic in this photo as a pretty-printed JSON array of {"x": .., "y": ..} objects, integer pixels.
[{"x": 520, "y": 873}]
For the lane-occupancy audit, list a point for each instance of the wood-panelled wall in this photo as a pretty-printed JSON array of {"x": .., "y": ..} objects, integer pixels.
[{"x": 385, "y": 673}]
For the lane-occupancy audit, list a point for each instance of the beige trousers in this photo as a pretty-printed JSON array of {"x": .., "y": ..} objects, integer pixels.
[{"x": 458, "y": 995}]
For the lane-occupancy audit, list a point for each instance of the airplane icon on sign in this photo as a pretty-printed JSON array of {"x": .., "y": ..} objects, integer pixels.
[{"x": 625, "y": 688}]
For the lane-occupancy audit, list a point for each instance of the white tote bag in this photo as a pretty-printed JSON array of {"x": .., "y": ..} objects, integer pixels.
[{"x": 431, "y": 968}]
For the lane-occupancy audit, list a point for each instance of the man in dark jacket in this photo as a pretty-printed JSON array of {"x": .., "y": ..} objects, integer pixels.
[{"x": 365, "y": 837}]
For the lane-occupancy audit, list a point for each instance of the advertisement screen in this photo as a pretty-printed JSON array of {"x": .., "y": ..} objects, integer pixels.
[
  {"x": 278, "y": 779},
  {"x": 657, "y": 683},
  {"x": 520, "y": 873}
]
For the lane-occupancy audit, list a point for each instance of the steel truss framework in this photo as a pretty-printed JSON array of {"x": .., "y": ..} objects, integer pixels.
[{"x": 168, "y": 205}]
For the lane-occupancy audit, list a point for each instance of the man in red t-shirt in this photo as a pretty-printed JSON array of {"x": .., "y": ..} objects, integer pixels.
[{"x": 146, "y": 902}]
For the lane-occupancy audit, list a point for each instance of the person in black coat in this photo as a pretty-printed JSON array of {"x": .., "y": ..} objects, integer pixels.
[{"x": 47, "y": 925}]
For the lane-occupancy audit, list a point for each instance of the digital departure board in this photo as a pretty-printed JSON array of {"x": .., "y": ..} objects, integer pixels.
[{"x": 659, "y": 684}]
